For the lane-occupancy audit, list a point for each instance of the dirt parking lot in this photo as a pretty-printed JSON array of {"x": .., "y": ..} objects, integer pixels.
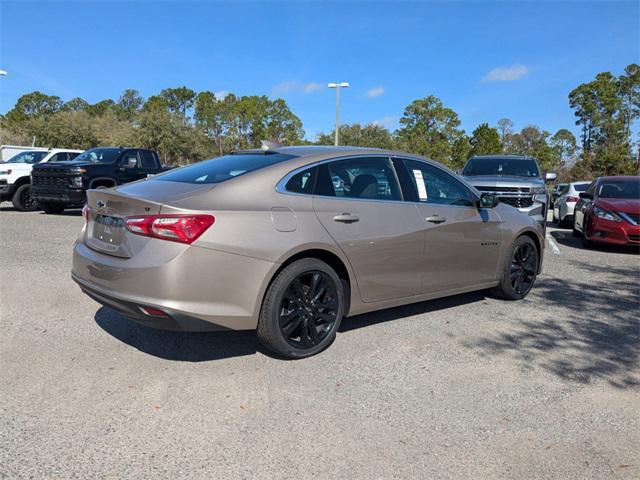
[{"x": 465, "y": 387}]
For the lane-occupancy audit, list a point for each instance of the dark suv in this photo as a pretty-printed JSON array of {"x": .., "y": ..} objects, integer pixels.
[{"x": 60, "y": 185}]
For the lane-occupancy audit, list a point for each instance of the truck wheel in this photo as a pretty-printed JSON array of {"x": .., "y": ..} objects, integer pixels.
[
  {"x": 52, "y": 207},
  {"x": 22, "y": 199}
]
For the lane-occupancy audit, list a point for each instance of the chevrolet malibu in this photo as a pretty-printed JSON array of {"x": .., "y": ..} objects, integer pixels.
[{"x": 290, "y": 240}]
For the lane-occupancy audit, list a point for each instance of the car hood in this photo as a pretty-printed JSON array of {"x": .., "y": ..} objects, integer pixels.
[
  {"x": 626, "y": 205},
  {"x": 503, "y": 181},
  {"x": 68, "y": 164},
  {"x": 20, "y": 167}
]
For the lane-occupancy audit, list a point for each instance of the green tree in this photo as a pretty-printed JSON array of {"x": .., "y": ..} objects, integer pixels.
[
  {"x": 31, "y": 105},
  {"x": 129, "y": 104},
  {"x": 76, "y": 104},
  {"x": 429, "y": 128},
  {"x": 505, "y": 128},
  {"x": 100, "y": 108},
  {"x": 371, "y": 135},
  {"x": 178, "y": 100},
  {"x": 485, "y": 141}
]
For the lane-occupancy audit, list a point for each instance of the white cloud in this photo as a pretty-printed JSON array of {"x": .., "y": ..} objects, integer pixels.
[
  {"x": 312, "y": 87},
  {"x": 293, "y": 86},
  {"x": 221, "y": 94},
  {"x": 375, "y": 92},
  {"x": 506, "y": 74},
  {"x": 388, "y": 122}
]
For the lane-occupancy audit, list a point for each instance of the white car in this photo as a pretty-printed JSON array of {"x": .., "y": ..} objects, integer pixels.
[
  {"x": 15, "y": 175},
  {"x": 566, "y": 202}
]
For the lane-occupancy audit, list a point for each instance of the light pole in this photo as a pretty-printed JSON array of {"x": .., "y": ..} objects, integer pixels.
[{"x": 338, "y": 86}]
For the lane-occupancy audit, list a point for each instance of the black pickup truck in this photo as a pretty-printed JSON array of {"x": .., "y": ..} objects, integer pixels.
[{"x": 59, "y": 185}]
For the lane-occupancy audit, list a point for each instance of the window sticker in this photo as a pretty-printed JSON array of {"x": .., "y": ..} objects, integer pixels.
[{"x": 422, "y": 191}]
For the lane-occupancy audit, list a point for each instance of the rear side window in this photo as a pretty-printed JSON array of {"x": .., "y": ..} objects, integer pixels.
[
  {"x": 147, "y": 159},
  {"x": 436, "y": 186},
  {"x": 365, "y": 178},
  {"x": 223, "y": 168},
  {"x": 303, "y": 182}
]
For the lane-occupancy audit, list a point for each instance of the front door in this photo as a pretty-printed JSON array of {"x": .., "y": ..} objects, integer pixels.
[
  {"x": 359, "y": 203},
  {"x": 462, "y": 242}
]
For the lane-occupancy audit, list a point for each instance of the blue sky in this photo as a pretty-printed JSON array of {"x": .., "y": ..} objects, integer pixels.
[{"x": 486, "y": 60}]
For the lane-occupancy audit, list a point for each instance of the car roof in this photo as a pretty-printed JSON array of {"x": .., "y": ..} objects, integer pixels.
[
  {"x": 620, "y": 177},
  {"x": 313, "y": 150},
  {"x": 510, "y": 157}
]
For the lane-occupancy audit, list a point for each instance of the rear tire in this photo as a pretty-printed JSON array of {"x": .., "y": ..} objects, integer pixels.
[
  {"x": 22, "y": 199},
  {"x": 52, "y": 208},
  {"x": 302, "y": 309},
  {"x": 520, "y": 270}
]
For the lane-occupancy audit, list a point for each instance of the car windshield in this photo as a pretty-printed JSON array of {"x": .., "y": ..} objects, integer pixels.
[
  {"x": 580, "y": 187},
  {"x": 28, "y": 157},
  {"x": 223, "y": 168},
  {"x": 628, "y": 189},
  {"x": 517, "y": 167},
  {"x": 99, "y": 155}
]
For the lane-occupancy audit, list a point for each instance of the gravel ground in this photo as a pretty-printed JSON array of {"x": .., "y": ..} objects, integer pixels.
[{"x": 465, "y": 387}]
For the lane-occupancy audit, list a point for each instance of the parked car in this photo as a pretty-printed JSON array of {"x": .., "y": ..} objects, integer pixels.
[
  {"x": 559, "y": 190},
  {"x": 515, "y": 180},
  {"x": 15, "y": 175},
  {"x": 60, "y": 185},
  {"x": 266, "y": 240},
  {"x": 609, "y": 212},
  {"x": 564, "y": 205}
]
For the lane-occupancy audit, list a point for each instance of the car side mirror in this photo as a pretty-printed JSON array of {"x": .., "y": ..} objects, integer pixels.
[
  {"x": 488, "y": 200},
  {"x": 550, "y": 176},
  {"x": 585, "y": 195}
]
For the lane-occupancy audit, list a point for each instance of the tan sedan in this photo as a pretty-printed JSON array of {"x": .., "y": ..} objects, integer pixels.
[{"x": 290, "y": 241}]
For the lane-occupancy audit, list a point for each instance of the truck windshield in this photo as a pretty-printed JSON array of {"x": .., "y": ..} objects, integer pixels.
[
  {"x": 223, "y": 168},
  {"x": 28, "y": 157},
  {"x": 99, "y": 155},
  {"x": 517, "y": 167}
]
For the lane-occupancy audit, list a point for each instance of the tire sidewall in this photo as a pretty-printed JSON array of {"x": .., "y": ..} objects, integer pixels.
[
  {"x": 17, "y": 199},
  {"x": 273, "y": 299},
  {"x": 506, "y": 281}
]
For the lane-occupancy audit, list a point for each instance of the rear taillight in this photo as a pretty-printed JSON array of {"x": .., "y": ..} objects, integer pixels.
[
  {"x": 85, "y": 212},
  {"x": 176, "y": 228},
  {"x": 573, "y": 199}
]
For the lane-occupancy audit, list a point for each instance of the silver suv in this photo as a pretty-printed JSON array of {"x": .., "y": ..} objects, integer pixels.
[{"x": 515, "y": 180}]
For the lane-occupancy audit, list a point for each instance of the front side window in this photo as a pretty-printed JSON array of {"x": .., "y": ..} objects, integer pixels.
[
  {"x": 222, "y": 168},
  {"x": 364, "y": 178},
  {"x": 131, "y": 158},
  {"x": 433, "y": 185}
]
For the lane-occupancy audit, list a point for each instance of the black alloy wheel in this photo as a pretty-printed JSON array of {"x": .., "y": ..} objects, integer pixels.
[
  {"x": 308, "y": 310},
  {"x": 524, "y": 265}
]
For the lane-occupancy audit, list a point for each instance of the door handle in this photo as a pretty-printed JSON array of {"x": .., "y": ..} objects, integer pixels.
[
  {"x": 346, "y": 218},
  {"x": 436, "y": 219}
]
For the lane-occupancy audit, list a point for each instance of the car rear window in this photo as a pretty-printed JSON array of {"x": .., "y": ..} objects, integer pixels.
[
  {"x": 581, "y": 187},
  {"x": 223, "y": 168}
]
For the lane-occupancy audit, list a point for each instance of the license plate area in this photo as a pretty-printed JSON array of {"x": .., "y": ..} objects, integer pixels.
[{"x": 108, "y": 231}]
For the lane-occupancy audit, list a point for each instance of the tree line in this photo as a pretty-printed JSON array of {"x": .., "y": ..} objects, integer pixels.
[{"x": 187, "y": 126}]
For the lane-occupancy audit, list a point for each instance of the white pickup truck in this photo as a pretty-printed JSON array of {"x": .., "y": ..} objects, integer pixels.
[{"x": 15, "y": 175}]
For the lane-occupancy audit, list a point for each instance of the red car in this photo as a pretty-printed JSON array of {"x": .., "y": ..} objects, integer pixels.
[{"x": 609, "y": 212}]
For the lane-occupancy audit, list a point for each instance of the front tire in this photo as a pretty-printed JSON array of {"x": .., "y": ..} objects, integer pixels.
[
  {"x": 22, "y": 199},
  {"x": 52, "y": 208},
  {"x": 302, "y": 309},
  {"x": 520, "y": 271}
]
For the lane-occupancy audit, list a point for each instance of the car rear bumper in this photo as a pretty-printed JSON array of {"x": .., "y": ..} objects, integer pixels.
[
  {"x": 68, "y": 197},
  {"x": 615, "y": 233},
  {"x": 199, "y": 289}
]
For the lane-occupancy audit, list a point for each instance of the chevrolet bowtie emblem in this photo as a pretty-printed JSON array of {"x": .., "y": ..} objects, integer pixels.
[{"x": 101, "y": 204}]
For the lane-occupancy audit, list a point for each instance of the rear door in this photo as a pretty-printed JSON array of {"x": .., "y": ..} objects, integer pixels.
[
  {"x": 359, "y": 202},
  {"x": 462, "y": 242}
]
